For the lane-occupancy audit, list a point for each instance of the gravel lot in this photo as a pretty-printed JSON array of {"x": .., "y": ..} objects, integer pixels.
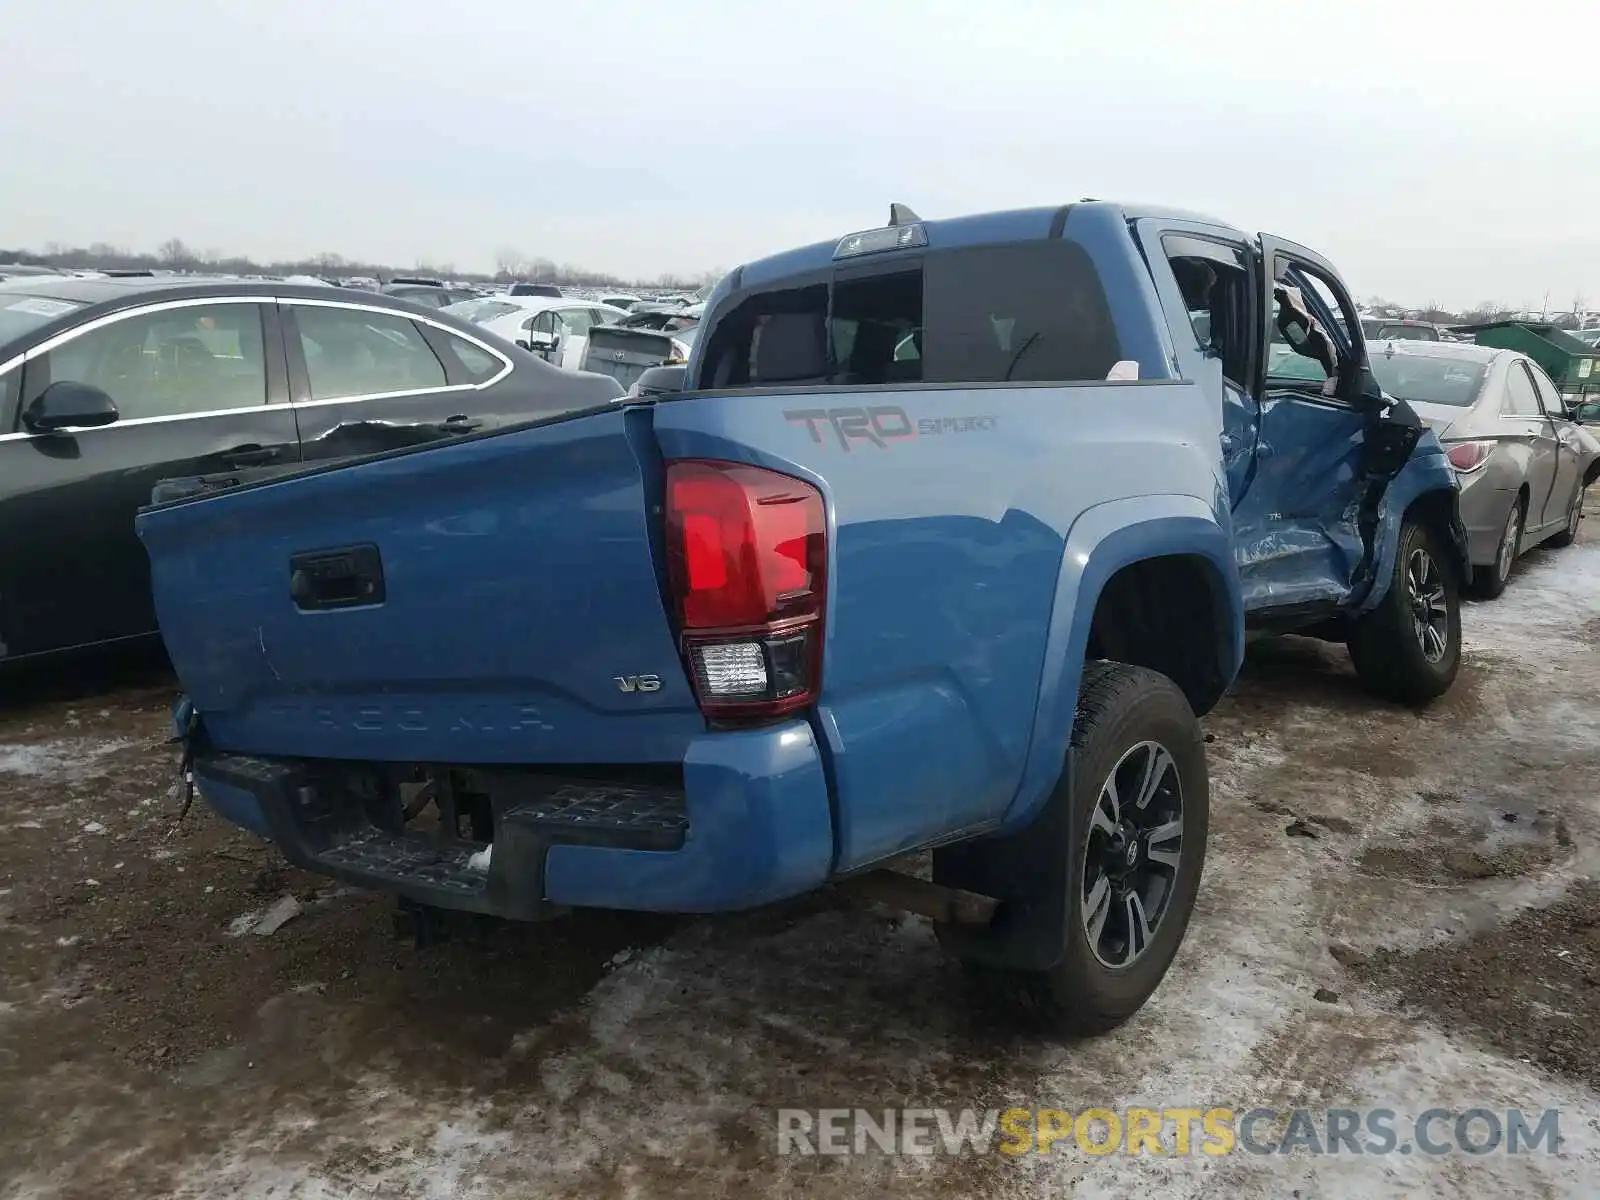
[{"x": 1435, "y": 876}]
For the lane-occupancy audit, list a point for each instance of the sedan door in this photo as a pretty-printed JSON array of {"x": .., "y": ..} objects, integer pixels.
[
  {"x": 199, "y": 388},
  {"x": 1523, "y": 420},
  {"x": 367, "y": 379},
  {"x": 1570, "y": 452},
  {"x": 572, "y": 328}
]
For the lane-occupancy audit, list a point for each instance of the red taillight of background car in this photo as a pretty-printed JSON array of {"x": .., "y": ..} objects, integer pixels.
[
  {"x": 1469, "y": 456},
  {"x": 747, "y": 560}
]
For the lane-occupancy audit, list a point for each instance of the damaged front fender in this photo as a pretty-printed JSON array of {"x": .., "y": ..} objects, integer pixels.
[{"x": 1426, "y": 488}]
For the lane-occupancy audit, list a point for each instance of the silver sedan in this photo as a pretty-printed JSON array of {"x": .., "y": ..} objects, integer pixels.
[{"x": 1521, "y": 461}]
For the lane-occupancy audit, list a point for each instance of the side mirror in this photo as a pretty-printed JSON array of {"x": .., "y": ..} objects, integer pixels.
[
  {"x": 657, "y": 381},
  {"x": 67, "y": 404},
  {"x": 1586, "y": 414}
]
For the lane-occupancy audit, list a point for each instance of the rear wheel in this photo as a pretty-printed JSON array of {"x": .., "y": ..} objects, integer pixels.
[
  {"x": 1574, "y": 518},
  {"x": 1140, "y": 802},
  {"x": 1488, "y": 582},
  {"x": 1408, "y": 648}
]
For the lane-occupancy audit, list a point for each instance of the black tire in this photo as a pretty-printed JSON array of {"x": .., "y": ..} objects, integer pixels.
[
  {"x": 1387, "y": 644},
  {"x": 1120, "y": 709},
  {"x": 1488, "y": 582},
  {"x": 1574, "y": 518}
]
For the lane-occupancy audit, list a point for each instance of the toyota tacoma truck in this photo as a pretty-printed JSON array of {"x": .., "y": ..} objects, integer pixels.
[{"x": 941, "y": 540}]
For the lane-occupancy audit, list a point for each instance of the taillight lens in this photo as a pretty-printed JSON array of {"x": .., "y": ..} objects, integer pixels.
[
  {"x": 1469, "y": 456},
  {"x": 747, "y": 559}
]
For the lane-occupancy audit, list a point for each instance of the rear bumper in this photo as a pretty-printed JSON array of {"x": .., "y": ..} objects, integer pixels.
[
  {"x": 758, "y": 828},
  {"x": 1484, "y": 509}
]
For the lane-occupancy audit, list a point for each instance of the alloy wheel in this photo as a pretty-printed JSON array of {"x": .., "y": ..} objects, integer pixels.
[
  {"x": 1430, "y": 613},
  {"x": 1132, "y": 854},
  {"x": 1508, "y": 544}
]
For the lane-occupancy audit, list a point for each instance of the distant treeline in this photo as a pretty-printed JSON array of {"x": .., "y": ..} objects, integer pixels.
[{"x": 177, "y": 255}]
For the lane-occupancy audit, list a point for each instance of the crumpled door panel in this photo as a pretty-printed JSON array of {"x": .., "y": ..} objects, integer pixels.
[{"x": 1296, "y": 536}]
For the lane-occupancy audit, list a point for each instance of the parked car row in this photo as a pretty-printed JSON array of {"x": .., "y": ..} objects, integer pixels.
[{"x": 110, "y": 386}]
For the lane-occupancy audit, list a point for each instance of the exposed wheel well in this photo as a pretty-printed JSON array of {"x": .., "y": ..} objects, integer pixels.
[
  {"x": 1592, "y": 473},
  {"x": 1169, "y": 614},
  {"x": 1436, "y": 510}
]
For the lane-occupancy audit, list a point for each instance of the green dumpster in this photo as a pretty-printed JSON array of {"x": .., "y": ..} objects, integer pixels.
[{"x": 1572, "y": 364}]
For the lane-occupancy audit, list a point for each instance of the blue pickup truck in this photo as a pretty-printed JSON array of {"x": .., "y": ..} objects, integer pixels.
[{"x": 941, "y": 540}]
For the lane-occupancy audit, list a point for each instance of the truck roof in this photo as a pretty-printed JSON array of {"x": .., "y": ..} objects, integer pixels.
[{"x": 1010, "y": 225}]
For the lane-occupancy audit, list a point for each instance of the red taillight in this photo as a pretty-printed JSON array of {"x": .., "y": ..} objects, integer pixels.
[
  {"x": 1469, "y": 456},
  {"x": 747, "y": 557}
]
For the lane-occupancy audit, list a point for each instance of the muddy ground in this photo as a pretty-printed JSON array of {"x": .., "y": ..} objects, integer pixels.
[{"x": 1398, "y": 911}]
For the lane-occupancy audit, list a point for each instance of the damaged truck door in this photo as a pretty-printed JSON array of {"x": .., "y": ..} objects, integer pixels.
[{"x": 1326, "y": 477}]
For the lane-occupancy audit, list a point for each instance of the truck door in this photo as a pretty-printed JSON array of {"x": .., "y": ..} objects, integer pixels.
[
  {"x": 1216, "y": 295},
  {"x": 1296, "y": 534}
]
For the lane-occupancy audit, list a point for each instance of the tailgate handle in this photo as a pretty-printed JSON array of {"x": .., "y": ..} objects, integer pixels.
[{"x": 344, "y": 578}]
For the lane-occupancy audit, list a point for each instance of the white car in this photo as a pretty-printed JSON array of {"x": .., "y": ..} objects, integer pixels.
[{"x": 553, "y": 327}]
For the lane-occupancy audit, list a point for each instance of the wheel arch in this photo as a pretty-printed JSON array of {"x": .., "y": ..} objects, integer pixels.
[
  {"x": 1434, "y": 502},
  {"x": 1117, "y": 550}
]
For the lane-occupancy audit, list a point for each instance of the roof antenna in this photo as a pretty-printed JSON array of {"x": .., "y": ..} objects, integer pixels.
[{"x": 901, "y": 214}]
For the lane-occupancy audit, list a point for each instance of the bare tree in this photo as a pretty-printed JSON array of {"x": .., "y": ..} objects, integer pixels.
[
  {"x": 510, "y": 263},
  {"x": 1485, "y": 311},
  {"x": 178, "y": 255},
  {"x": 174, "y": 253}
]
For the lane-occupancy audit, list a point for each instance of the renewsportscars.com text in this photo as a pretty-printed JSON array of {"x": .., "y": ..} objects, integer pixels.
[{"x": 1166, "y": 1131}]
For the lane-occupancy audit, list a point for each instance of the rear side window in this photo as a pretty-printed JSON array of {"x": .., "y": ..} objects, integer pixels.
[
  {"x": 478, "y": 362},
  {"x": 1548, "y": 396},
  {"x": 1027, "y": 312},
  {"x": 1521, "y": 400},
  {"x": 354, "y": 352}
]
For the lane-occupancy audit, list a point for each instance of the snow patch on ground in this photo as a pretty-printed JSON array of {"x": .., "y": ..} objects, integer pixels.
[
  {"x": 1543, "y": 609},
  {"x": 60, "y": 758},
  {"x": 408, "y": 1149}
]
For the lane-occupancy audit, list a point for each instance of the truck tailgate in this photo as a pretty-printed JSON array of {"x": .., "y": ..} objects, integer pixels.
[{"x": 492, "y": 600}]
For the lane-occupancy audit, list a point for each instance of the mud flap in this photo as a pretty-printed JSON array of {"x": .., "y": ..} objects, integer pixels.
[{"x": 1027, "y": 872}]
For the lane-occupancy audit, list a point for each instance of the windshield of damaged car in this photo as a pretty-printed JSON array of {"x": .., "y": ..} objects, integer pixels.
[
  {"x": 20, "y": 314},
  {"x": 1428, "y": 380}
]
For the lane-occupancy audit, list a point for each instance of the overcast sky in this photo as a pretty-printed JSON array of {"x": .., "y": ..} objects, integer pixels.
[{"x": 1433, "y": 155}]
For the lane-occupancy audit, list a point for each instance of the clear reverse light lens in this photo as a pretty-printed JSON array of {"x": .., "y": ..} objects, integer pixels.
[{"x": 732, "y": 669}]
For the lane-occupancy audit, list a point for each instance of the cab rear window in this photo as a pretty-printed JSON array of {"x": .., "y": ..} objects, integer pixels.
[{"x": 1027, "y": 312}]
